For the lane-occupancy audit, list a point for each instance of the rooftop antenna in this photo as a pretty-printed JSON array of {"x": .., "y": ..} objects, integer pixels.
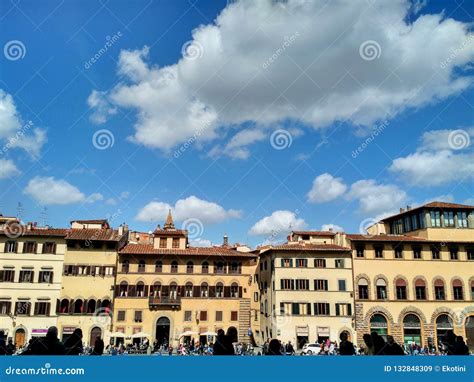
[
  {"x": 19, "y": 211},
  {"x": 44, "y": 216}
]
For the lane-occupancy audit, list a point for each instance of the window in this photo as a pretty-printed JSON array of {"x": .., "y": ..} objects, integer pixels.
[
  {"x": 205, "y": 267},
  {"x": 360, "y": 251},
  {"x": 204, "y": 290},
  {"x": 189, "y": 267},
  {"x": 175, "y": 243},
  {"x": 401, "y": 289},
  {"x": 439, "y": 290},
  {"x": 174, "y": 267},
  {"x": 188, "y": 315},
  {"x": 234, "y": 290},
  {"x": 399, "y": 252},
  {"x": 417, "y": 252},
  {"x": 287, "y": 284},
  {"x": 7, "y": 276},
  {"x": 26, "y": 277},
  {"x": 339, "y": 263},
  {"x": 472, "y": 290},
  {"x": 301, "y": 263},
  {"x": 343, "y": 310},
  {"x": 453, "y": 252},
  {"x": 420, "y": 290},
  {"x": 22, "y": 308},
  {"x": 141, "y": 266},
  {"x": 219, "y": 268},
  {"x": 5, "y": 308},
  {"x": 462, "y": 220},
  {"x": 457, "y": 290},
  {"x": 414, "y": 222},
  {"x": 123, "y": 289},
  {"x": 188, "y": 290},
  {"x": 320, "y": 263},
  {"x": 381, "y": 286},
  {"x": 11, "y": 247},
  {"x": 435, "y": 218},
  {"x": 218, "y": 315},
  {"x": 162, "y": 242},
  {"x": 49, "y": 247},
  {"x": 234, "y": 268},
  {"x": 203, "y": 315},
  {"x": 406, "y": 224},
  {"x": 302, "y": 284},
  {"x": 125, "y": 266},
  {"x": 321, "y": 309},
  {"x": 138, "y": 316},
  {"x": 234, "y": 315},
  {"x": 470, "y": 253},
  {"x": 448, "y": 218},
  {"x": 363, "y": 289},
  {"x": 42, "y": 308},
  {"x": 320, "y": 284},
  {"x": 342, "y": 285},
  {"x": 45, "y": 277},
  {"x": 158, "y": 266},
  {"x": 219, "y": 290},
  {"x": 378, "y": 251},
  {"x": 121, "y": 315},
  {"x": 140, "y": 289},
  {"x": 435, "y": 253},
  {"x": 287, "y": 263},
  {"x": 29, "y": 247}
]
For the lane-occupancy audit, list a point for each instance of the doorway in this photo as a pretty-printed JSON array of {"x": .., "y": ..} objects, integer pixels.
[
  {"x": 20, "y": 337},
  {"x": 96, "y": 332},
  {"x": 163, "y": 331}
]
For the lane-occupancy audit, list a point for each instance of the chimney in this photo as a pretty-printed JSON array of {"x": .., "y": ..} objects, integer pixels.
[
  {"x": 226, "y": 241},
  {"x": 330, "y": 229},
  {"x": 408, "y": 208},
  {"x": 402, "y": 210}
]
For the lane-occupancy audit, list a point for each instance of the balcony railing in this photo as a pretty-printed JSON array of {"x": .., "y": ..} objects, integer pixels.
[{"x": 164, "y": 300}]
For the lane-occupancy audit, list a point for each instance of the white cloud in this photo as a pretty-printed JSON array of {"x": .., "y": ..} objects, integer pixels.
[
  {"x": 332, "y": 227},
  {"x": 124, "y": 194},
  {"x": 48, "y": 190},
  {"x": 443, "y": 156},
  {"x": 95, "y": 197},
  {"x": 278, "y": 224},
  {"x": 111, "y": 202},
  {"x": 32, "y": 144},
  {"x": 227, "y": 84},
  {"x": 200, "y": 243},
  {"x": 191, "y": 207},
  {"x": 101, "y": 106},
  {"x": 9, "y": 117},
  {"x": 376, "y": 199},
  {"x": 237, "y": 147},
  {"x": 326, "y": 188},
  {"x": 8, "y": 169}
]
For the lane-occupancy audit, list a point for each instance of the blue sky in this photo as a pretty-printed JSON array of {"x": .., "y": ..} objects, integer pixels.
[{"x": 268, "y": 103}]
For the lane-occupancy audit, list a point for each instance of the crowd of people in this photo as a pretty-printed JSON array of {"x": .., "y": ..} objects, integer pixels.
[{"x": 226, "y": 343}]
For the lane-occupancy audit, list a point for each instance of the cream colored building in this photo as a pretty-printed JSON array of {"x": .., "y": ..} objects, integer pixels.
[
  {"x": 306, "y": 289},
  {"x": 89, "y": 272},
  {"x": 170, "y": 292},
  {"x": 31, "y": 263},
  {"x": 414, "y": 274}
]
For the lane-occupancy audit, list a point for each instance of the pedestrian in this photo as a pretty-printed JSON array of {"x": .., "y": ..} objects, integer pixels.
[
  {"x": 98, "y": 347},
  {"x": 73, "y": 344},
  {"x": 460, "y": 347},
  {"x": 392, "y": 348},
  {"x": 346, "y": 347},
  {"x": 3, "y": 345},
  {"x": 274, "y": 347},
  {"x": 369, "y": 345},
  {"x": 290, "y": 350}
]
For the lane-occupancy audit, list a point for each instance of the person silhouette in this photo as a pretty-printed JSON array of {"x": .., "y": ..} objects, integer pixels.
[
  {"x": 460, "y": 347},
  {"x": 98, "y": 347},
  {"x": 379, "y": 343},
  {"x": 3, "y": 345},
  {"x": 274, "y": 347},
  {"x": 346, "y": 347},
  {"x": 392, "y": 348},
  {"x": 369, "y": 345},
  {"x": 73, "y": 344}
]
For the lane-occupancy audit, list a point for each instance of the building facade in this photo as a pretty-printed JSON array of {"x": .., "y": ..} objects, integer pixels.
[
  {"x": 169, "y": 292},
  {"x": 306, "y": 289},
  {"x": 31, "y": 262},
  {"x": 414, "y": 274}
]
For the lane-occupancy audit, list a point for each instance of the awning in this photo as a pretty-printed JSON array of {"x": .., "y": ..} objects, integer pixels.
[
  {"x": 117, "y": 334},
  {"x": 302, "y": 331},
  {"x": 187, "y": 333},
  {"x": 208, "y": 334},
  {"x": 323, "y": 331},
  {"x": 140, "y": 335}
]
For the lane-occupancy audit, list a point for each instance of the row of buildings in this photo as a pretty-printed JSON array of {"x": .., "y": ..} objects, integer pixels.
[{"x": 410, "y": 276}]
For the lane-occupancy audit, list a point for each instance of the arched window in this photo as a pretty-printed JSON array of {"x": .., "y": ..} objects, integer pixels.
[
  {"x": 204, "y": 290},
  {"x": 219, "y": 290},
  {"x": 64, "y": 308},
  {"x": 234, "y": 290},
  {"x": 141, "y": 266},
  {"x": 219, "y": 267},
  {"x": 420, "y": 289},
  {"x": 140, "y": 292},
  {"x": 401, "y": 289},
  {"x": 156, "y": 289},
  {"x": 105, "y": 305},
  {"x": 205, "y": 267},
  {"x": 123, "y": 290},
  {"x": 189, "y": 267},
  {"x": 381, "y": 286},
  {"x": 125, "y": 266},
  {"x": 440, "y": 293},
  {"x": 458, "y": 293},
  {"x": 188, "y": 289},
  {"x": 159, "y": 266},
  {"x": 234, "y": 267},
  {"x": 443, "y": 324},
  {"x": 378, "y": 323},
  {"x": 78, "y": 306},
  {"x": 174, "y": 266},
  {"x": 472, "y": 290},
  {"x": 91, "y": 306},
  {"x": 173, "y": 290},
  {"x": 363, "y": 289},
  {"x": 412, "y": 329}
]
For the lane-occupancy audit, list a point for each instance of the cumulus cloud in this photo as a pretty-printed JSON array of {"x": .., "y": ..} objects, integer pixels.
[
  {"x": 332, "y": 227},
  {"x": 200, "y": 243},
  {"x": 326, "y": 188},
  {"x": 95, "y": 197},
  {"x": 247, "y": 69},
  {"x": 190, "y": 207},
  {"x": 102, "y": 108},
  {"x": 48, "y": 190},
  {"x": 237, "y": 147},
  {"x": 8, "y": 169},
  {"x": 443, "y": 156},
  {"x": 278, "y": 224}
]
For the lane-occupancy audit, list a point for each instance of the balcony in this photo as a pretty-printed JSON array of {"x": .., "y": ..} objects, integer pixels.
[{"x": 174, "y": 302}]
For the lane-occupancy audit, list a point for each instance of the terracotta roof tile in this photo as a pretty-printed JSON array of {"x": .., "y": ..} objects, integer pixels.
[
  {"x": 441, "y": 205},
  {"x": 144, "y": 249},
  {"x": 93, "y": 234},
  {"x": 315, "y": 233},
  {"x": 357, "y": 237},
  {"x": 306, "y": 247},
  {"x": 171, "y": 232}
]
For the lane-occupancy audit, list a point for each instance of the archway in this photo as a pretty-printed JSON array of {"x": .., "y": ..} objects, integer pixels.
[
  {"x": 470, "y": 332},
  {"x": 378, "y": 324},
  {"x": 162, "y": 331},
  {"x": 20, "y": 337},
  {"x": 443, "y": 323},
  {"x": 96, "y": 332},
  {"x": 412, "y": 330}
]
